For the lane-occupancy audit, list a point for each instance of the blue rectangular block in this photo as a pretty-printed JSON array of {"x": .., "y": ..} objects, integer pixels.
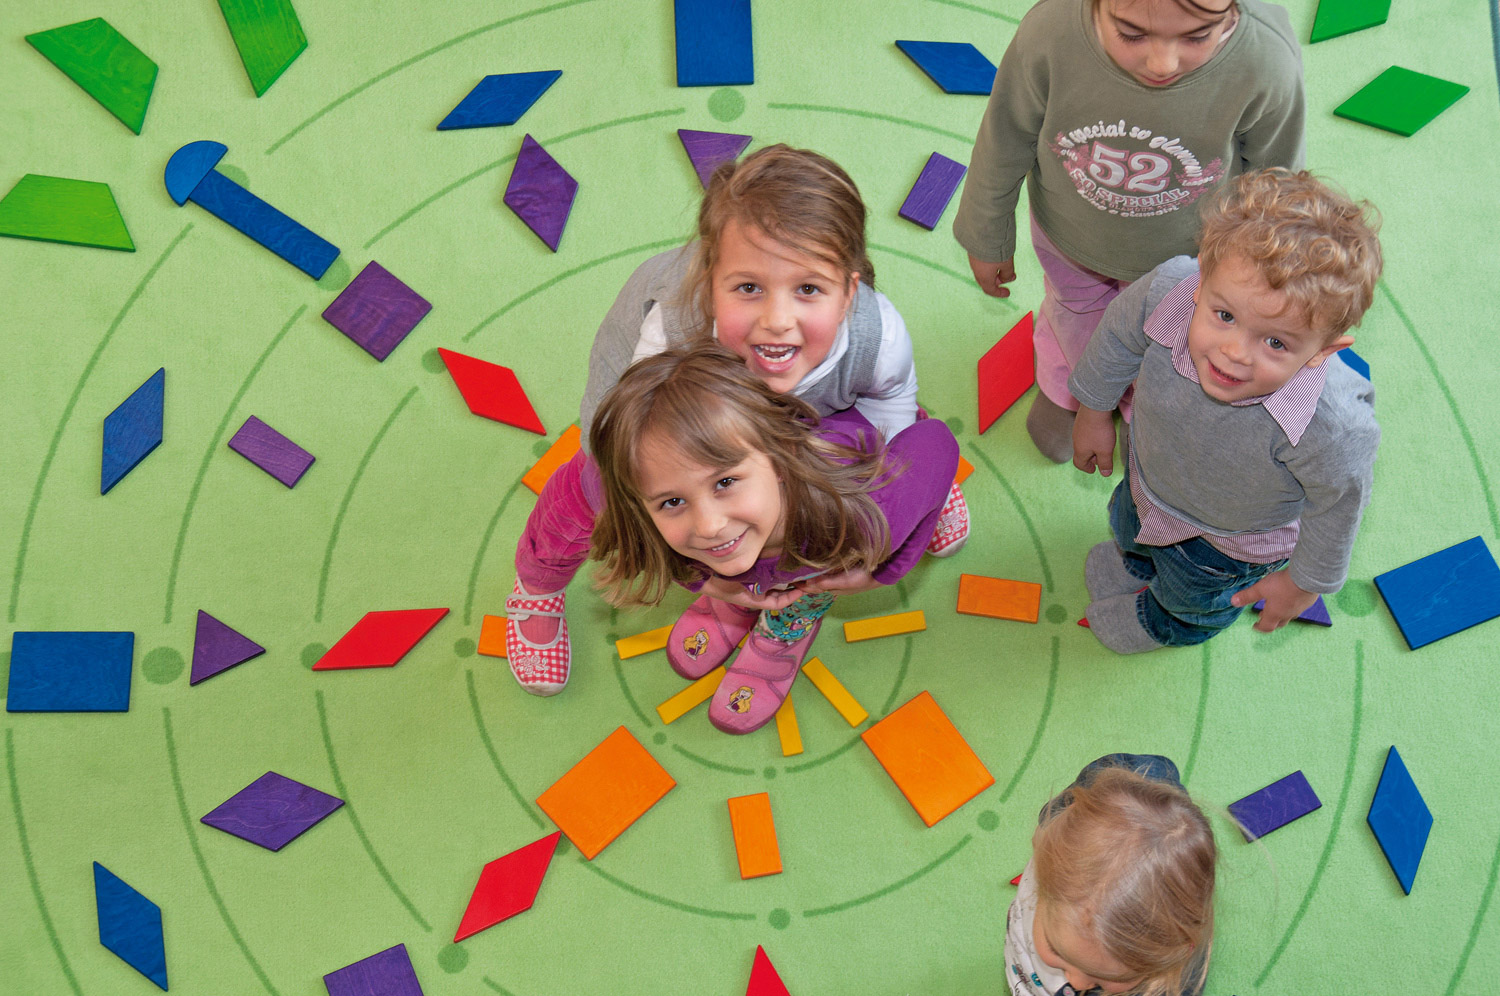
[
  {"x": 1399, "y": 819},
  {"x": 70, "y": 672},
  {"x": 1274, "y": 806},
  {"x": 1443, "y": 593},
  {"x": 298, "y": 245},
  {"x": 714, "y": 46}
]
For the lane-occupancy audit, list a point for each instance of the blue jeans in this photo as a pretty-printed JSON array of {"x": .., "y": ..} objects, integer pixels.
[{"x": 1189, "y": 584}]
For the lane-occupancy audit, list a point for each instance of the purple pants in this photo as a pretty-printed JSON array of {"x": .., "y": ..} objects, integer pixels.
[
  {"x": 1071, "y": 308},
  {"x": 555, "y": 542}
]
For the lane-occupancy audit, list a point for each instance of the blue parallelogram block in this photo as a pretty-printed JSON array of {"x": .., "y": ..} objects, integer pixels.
[
  {"x": 70, "y": 672},
  {"x": 957, "y": 67},
  {"x": 1274, "y": 806},
  {"x": 130, "y": 925},
  {"x": 1400, "y": 820},
  {"x": 499, "y": 100},
  {"x": 714, "y": 45},
  {"x": 132, "y": 430},
  {"x": 1443, "y": 593}
]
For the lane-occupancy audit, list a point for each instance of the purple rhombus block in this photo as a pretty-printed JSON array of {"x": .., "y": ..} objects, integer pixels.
[
  {"x": 272, "y": 811},
  {"x": 540, "y": 192}
]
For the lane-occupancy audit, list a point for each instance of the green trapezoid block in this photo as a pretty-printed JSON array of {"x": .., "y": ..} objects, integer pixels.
[
  {"x": 55, "y": 209},
  {"x": 104, "y": 62},
  {"x": 268, "y": 35},
  {"x": 1342, "y": 17},
  {"x": 1400, "y": 100}
]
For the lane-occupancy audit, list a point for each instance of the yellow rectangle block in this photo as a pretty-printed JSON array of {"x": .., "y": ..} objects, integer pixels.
[
  {"x": 787, "y": 729},
  {"x": 754, "y": 835},
  {"x": 643, "y": 643},
  {"x": 869, "y": 629},
  {"x": 604, "y": 793},
  {"x": 691, "y": 697},
  {"x": 557, "y": 454},
  {"x": 965, "y": 468},
  {"x": 492, "y": 636},
  {"x": 834, "y": 691},
  {"x": 998, "y": 598}
]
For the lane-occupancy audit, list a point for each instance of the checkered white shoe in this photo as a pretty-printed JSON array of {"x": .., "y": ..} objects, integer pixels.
[
  {"x": 952, "y": 530},
  {"x": 540, "y": 668}
]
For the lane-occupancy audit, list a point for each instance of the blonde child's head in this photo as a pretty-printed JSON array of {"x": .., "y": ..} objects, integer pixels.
[
  {"x": 697, "y": 415},
  {"x": 1124, "y": 870}
]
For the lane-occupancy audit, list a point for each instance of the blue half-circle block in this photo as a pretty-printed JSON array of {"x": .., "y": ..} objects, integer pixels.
[{"x": 189, "y": 165}]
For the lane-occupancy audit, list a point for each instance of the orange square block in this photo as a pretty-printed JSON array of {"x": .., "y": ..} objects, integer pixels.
[
  {"x": 998, "y": 598},
  {"x": 492, "y": 636},
  {"x": 604, "y": 793},
  {"x": 927, "y": 758},
  {"x": 965, "y": 468},
  {"x": 754, "y": 835},
  {"x": 557, "y": 454}
]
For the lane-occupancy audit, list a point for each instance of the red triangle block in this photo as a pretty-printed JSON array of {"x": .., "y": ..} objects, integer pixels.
[
  {"x": 763, "y": 978},
  {"x": 492, "y": 391},
  {"x": 1017, "y": 879},
  {"x": 507, "y": 886},
  {"x": 1006, "y": 372},
  {"x": 380, "y": 639}
]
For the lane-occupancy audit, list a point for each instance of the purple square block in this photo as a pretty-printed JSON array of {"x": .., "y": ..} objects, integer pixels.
[
  {"x": 933, "y": 190},
  {"x": 272, "y": 811},
  {"x": 707, "y": 150},
  {"x": 388, "y": 973},
  {"x": 540, "y": 192},
  {"x": 377, "y": 310},
  {"x": 271, "y": 451},
  {"x": 1274, "y": 806}
]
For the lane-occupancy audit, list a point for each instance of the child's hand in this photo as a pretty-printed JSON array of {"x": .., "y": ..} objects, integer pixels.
[
  {"x": 1284, "y": 600},
  {"x": 992, "y": 277},
  {"x": 842, "y": 583},
  {"x": 1094, "y": 441},
  {"x": 737, "y": 594}
]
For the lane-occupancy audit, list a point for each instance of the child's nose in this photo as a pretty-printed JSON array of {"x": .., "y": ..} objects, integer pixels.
[
  {"x": 708, "y": 521},
  {"x": 778, "y": 315},
  {"x": 1161, "y": 59}
]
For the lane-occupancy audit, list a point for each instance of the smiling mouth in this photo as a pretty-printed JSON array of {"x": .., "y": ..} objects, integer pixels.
[
  {"x": 725, "y": 548},
  {"x": 1153, "y": 81},
  {"x": 776, "y": 354},
  {"x": 1223, "y": 377}
]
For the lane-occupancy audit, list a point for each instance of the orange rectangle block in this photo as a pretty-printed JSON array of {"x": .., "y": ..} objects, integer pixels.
[
  {"x": 754, "y": 835},
  {"x": 492, "y": 636},
  {"x": 557, "y": 454},
  {"x": 965, "y": 468},
  {"x": 927, "y": 758},
  {"x": 604, "y": 793},
  {"x": 998, "y": 598},
  {"x": 869, "y": 629}
]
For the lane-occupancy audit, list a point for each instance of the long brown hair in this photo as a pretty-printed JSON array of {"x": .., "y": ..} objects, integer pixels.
[{"x": 704, "y": 401}]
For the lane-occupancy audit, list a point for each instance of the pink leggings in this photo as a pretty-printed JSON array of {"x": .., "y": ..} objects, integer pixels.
[
  {"x": 1074, "y": 303},
  {"x": 555, "y": 542}
]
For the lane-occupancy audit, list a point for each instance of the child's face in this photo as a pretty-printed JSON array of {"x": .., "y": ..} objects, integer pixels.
[
  {"x": 1080, "y": 959},
  {"x": 1247, "y": 340},
  {"x": 725, "y": 518},
  {"x": 776, "y": 307},
  {"x": 1158, "y": 41}
]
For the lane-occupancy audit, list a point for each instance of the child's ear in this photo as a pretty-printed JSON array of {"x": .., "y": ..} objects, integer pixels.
[{"x": 1342, "y": 342}]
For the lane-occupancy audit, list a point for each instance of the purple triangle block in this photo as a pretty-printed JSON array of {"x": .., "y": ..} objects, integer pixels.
[
  {"x": 707, "y": 150},
  {"x": 540, "y": 192},
  {"x": 377, "y": 310},
  {"x": 1316, "y": 613},
  {"x": 388, "y": 973},
  {"x": 217, "y": 648},
  {"x": 272, "y": 811}
]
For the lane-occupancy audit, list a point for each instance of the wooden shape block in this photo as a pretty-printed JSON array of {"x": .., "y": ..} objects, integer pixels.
[
  {"x": 242, "y": 210},
  {"x": 643, "y": 643},
  {"x": 272, "y": 811},
  {"x": 754, "y": 835},
  {"x": 834, "y": 691},
  {"x": 1401, "y": 101},
  {"x": 876, "y": 626},
  {"x": 132, "y": 430},
  {"x": 714, "y": 43},
  {"x": 388, "y": 973},
  {"x": 1017, "y": 879},
  {"x": 965, "y": 468},
  {"x": 559, "y": 453},
  {"x": 1443, "y": 593},
  {"x": 56, "y": 209},
  {"x": 507, "y": 886},
  {"x": 217, "y": 647},
  {"x": 130, "y": 926},
  {"x": 1006, "y": 372},
  {"x": 787, "y": 730},
  {"x": 1342, "y": 17},
  {"x": 934, "y": 188},
  {"x": 606, "y": 792},
  {"x": 271, "y": 451},
  {"x": 104, "y": 62},
  {"x": 540, "y": 192},
  {"x": 1316, "y": 613},
  {"x": 1354, "y": 361},
  {"x": 376, "y": 310},
  {"x": 708, "y": 150},
  {"x": 1399, "y": 819},
  {"x": 491, "y": 391},
  {"x": 380, "y": 639},
  {"x": 70, "y": 672},
  {"x": 268, "y": 36},
  {"x": 691, "y": 697},
  {"x": 1274, "y": 806},
  {"x": 500, "y": 99},
  {"x": 957, "y": 67},
  {"x": 927, "y": 758},
  {"x": 492, "y": 637},
  {"x": 998, "y": 598},
  {"x": 763, "y": 978}
]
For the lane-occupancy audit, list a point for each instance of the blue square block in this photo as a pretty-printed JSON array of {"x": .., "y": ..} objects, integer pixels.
[
  {"x": 70, "y": 672},
  {"x": 957, "y": 67},
  {"x": 1400, "y": 819},
  {"x": 1443, "y": 593},
  {"x": 714, "y": 45},
  {"x": 499, "y": 100}
]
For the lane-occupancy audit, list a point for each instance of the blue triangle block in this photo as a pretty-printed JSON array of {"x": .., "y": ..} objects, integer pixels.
[
  {"x": 1443, "y": 592},
  {"x": 70, "y": 672},
  {"x": 957, "y": 67},
  {"x": 132, "y": 430},
  {"x": 1400, "y": 819},
  {"x": 499, "y": 100},
  {"x": 130, "y": 926}
]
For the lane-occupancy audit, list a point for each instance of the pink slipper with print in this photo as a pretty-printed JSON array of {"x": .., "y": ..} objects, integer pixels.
[
  {"x": 706, "y": 634},
  {"x": 952, "y": 526},
  {"x": 540, "y": 667},
  {"x": 757, "y": 682}
]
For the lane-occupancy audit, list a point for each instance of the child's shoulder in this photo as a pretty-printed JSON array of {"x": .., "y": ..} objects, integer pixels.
[
  {"x": 1344, "y": 422},
  {"x": 1272, "y": 21}
]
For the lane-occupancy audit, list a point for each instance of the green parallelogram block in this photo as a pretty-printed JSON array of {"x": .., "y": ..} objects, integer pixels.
[
  {"x": 268, "y": 35},
  {"x": 1401, "y": 100},
  {"x": 56, "y": 209},
  {"x": 104, "y": 62},
  {"x": 1342, "y": 17}
]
